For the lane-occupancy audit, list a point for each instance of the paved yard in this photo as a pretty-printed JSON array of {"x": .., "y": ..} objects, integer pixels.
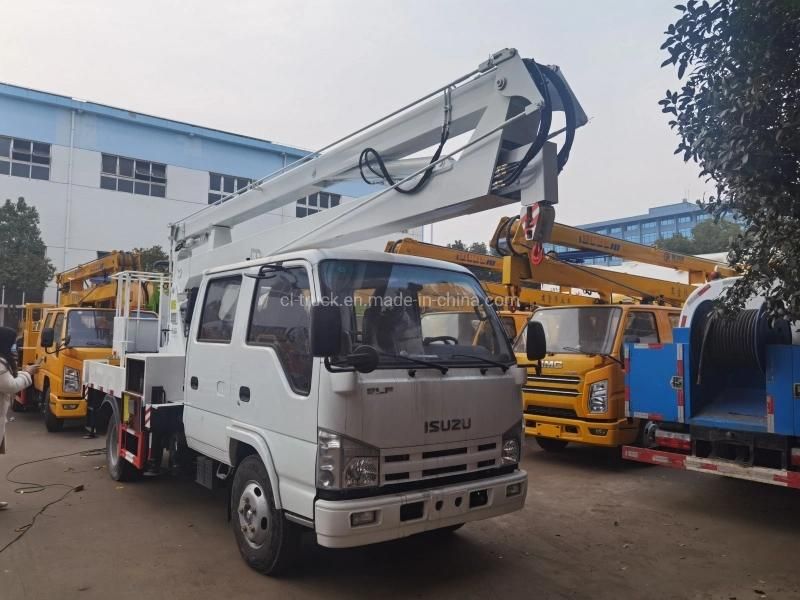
[{"x": 593, "y": 527}]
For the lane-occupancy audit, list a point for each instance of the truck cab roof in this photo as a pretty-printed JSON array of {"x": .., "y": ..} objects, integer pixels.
[{"x": 318, "y": 255}]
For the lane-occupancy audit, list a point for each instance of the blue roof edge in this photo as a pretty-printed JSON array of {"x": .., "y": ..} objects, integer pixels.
[{"x": 8, "y": 89}]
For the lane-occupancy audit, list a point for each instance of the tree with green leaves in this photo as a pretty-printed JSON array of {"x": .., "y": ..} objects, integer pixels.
[
  {"x": 478, "y": 248},
  {"x": 707, "y": 237},
  {"x": 24, "y": 266},
  {"x": 737, "y": 115},
  {"x": 457, "y": 245},
  {"x": 150, "y": 256}
]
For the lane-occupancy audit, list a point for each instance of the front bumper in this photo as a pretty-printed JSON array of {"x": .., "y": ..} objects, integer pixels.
[
  {"x": 68, "y": 408},
  {"x": 617, "y": 433},
  {"x": 439, "y": 507}
]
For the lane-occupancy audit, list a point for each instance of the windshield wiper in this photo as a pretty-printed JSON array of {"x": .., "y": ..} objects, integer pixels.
[
  {"x": 487, "y": 361},
  {"x": 418, "y": 361},
  {"x": 612, "y": 357},
  {"x": 579, "y": 351}
]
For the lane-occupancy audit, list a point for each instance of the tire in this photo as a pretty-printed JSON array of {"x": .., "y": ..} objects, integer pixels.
[
  {"x": 118, "y": 468},
  {"x": 267, "y": 542},
  {"x": 51, "y": 422},
  {"x": 550, "y": 444}
]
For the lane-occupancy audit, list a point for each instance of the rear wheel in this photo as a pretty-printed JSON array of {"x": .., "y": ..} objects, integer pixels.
[
  {"x": 551, "y": 444},
  {"x": 51, "y": 422},
  {"x": 267, "y": 542},
  {"x": 119, "y": 468}
]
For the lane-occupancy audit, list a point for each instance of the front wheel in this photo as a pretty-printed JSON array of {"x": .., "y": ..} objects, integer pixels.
[
  {"x": 51, "y": 422},
  {"x": 267, "y": 542},
  {"x": 551, "y": 444}
]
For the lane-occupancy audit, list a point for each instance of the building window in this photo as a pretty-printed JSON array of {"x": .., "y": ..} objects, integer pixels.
[
  {"x": 220, "y": 185},
  {"x": 649, "y": 225},
  {"x": 667, "y": 222},
  {"x": 686, "y": 232},
  {"x": 634, "y": 227},
  {"x": 686, "y": 219},
  {"x": 632, "y": 237},
  {"x": 703, "y": 217},
  {"x": 133, "y": 176},
  {"x": 602, "y": 231},
  {"x": 27, "y": 158},
  {"x": 649, "y": 238},
  {"x": 315, "y": 203},
  {"x": 667, "y": 234}
]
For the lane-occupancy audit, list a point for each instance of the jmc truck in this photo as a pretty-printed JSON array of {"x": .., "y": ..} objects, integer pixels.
[{"x": 301, "y": 374}]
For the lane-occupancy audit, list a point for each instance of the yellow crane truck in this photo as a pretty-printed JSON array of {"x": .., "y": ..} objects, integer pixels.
[
  {"x": 62, "y": 336},
  {"x": 577, "y": 394}
]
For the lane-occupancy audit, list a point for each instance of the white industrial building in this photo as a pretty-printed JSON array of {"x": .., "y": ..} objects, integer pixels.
[{"x": 104, "y": 178}]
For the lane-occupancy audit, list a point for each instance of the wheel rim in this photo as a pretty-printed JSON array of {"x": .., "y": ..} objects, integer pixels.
[
  {"x": 253, "y": 513},
  {"x": 111, "y": 447}
]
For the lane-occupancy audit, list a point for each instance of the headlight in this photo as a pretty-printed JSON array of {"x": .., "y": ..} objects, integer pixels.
[
  {"x": 344, "y": 463},
  {"x": 598, "y": 396},
  {"x": 72, "y": 380},
  {"x": 512, "y": 445}
]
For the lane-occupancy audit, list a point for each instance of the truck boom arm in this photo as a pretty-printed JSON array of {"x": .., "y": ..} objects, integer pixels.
[
  {"x": 89, "y": 284},
  {"x": 503, "y": 107},
  {"x": 509, "y": 240}
]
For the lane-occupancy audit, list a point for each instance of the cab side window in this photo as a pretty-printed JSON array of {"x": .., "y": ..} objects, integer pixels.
[
  {"x": 640, "y": 327},
  {"x": 674, "y": 319},
  {"x": 58, "y": 330},
  {"x": 280, "y": 319},
  {"x": 219, "y": 310},
  {"x": 510, "y": 326}
]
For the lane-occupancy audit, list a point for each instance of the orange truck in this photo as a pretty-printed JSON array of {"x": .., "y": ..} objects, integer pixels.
[{"x": 62, "y": 336}]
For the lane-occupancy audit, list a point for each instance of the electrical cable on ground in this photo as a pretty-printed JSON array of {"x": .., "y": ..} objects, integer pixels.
[{"x": 30, "y": 487}]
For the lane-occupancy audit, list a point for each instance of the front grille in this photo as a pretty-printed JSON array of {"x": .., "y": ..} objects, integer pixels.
[
  {"x": 550, "y": 385},
  {"x": 550, "y": 391},
  {"x": 567, "y": 379},
  {"x": 551, "y": 411},
  {"x": 427, "y": 462}
]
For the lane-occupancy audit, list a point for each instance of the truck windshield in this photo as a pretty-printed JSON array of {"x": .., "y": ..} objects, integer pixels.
[
  {"x": 431, "y": 314},
  {"x": 577, "y": 330},
  {"x": 90, "y": 328}
]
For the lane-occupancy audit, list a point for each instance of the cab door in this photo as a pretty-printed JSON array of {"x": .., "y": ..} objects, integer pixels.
[
  {"x": 41, "y": 353},
  {"x": 274, "y": 381},
  {"x": 209, "y": 356}
]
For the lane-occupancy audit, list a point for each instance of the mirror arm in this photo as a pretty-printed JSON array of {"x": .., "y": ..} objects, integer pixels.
[{"x": 333, "y": 369}]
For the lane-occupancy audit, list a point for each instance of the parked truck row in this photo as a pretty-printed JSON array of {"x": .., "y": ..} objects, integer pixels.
[{"x": 359, "y": 397}]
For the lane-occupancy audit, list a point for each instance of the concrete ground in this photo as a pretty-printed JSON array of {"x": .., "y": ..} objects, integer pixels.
[{"x": 593, "y": 527}]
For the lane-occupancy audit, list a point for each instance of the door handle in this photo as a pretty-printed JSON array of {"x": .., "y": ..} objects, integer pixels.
[
  {"x": 244, "y": 394},
  {"x": 193, "y": 383}
]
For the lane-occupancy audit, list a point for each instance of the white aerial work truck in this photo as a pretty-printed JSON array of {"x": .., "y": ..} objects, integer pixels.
[{"x": 315, "y": 381}]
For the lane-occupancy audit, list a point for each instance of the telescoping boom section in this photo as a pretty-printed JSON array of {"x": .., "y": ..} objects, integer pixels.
[
  {"x": 489, "y": 270},
  {"x": 364, "y": 396},
  {"x": 498, "y": 120}
]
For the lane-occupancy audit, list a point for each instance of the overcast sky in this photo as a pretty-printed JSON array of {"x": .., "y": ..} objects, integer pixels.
[{"x": 304, "y": 73}]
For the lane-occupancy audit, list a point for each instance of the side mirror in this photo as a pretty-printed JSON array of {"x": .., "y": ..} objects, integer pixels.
[
  {"x": 535, "y": 342},
  {"x": 364, "y": 359},
  {"x": 326, "y": 330},
  {"x": 46, "y": 337}
]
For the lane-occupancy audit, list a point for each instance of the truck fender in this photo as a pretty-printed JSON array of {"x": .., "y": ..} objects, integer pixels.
[
  {"x": 255, "y": 440},
  {"x": 111, "y": 403}
]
